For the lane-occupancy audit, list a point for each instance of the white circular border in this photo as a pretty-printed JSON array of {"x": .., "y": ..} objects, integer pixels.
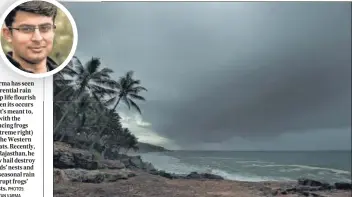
[{"x": 69, "y": 57}]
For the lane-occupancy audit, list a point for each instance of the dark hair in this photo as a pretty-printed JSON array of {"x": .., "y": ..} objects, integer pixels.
[{"x": 36, "y": 7}]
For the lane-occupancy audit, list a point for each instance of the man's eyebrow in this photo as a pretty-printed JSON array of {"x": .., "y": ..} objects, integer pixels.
[{"x": 34, "y": 25}]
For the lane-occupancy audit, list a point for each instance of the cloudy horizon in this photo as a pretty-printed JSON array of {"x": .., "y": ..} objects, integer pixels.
[{"x": 229, "y": 76}]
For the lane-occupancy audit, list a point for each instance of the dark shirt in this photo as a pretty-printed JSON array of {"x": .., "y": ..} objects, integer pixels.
[{"x": 50, "y": 63}]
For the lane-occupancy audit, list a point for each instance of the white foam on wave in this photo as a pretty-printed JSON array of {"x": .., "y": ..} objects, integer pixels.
[
  {"x": 168, "y": 164},
  {"x": 297, "y": 167},
  {"x": 290, "y": 170},
  {"x": 254, "y": 162},
  {"x": 247, "y": 178},
  {"x": 174, "y": 165}
]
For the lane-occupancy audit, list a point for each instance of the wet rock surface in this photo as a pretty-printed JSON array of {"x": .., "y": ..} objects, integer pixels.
[
  {"x": 79, "y": 173},
  {"x": 81, "y": 165},
  {"x": 307, "y": 187}
]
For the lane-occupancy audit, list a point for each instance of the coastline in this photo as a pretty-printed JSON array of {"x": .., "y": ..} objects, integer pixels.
[
  {"x": 78, "y": 173},
  {"x": 255, "y": 166}
]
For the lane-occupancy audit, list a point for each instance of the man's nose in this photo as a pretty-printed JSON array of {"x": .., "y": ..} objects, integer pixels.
[{"x": 36, "y": 35}]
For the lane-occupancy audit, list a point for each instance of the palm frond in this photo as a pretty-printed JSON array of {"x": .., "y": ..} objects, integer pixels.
[
  {"x": 138, "y": 97},
  {"x": 105, "y": 82},
  {"x": 110, "y": 83},
  {"x": 64, "y": 94},
  {"x": 76, "y": 63},
  {"x": 137, "y": 89},
  {"x": 97, "y": 101},
  {"x": 123, "y": 83},
  {"x": 110, "y": 101},
  {"x": 76, "y": 59},
  {"x": 80, "y": 91},
  {"x": 63, "y": 82},
  {"x": 93, "y": 65},
  {"x": 117, "y": 85},
  {"x": 102, "y": 90},
  {"x": 129, "y": 75},
  {"x": 105, "y": 72},
  {"x": 68, "y": 70},
  {"x": 126, "y": 101},
  {"x": 133, "y": 82},
  {"x": 135, "y": 106}
]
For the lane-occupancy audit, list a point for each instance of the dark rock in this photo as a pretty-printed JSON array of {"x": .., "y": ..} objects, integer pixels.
[
  {"x": 343, "y": 186},
  {"x": 85, "y": 160},
  {"x": 63, "y": 160},
  {"x": 136, "y": 161},
  {"x": 292, "y": 189},
  {"x": 309, "y": 182},
  {"x": 316, "y": 195},
  {"x": 111, "y": 164},
  {"x": 148, "y": 167},
  {"x": 165, "y": 174},
  {"x": 266, "y": 190},
  {"x": 326, "y": 186},
  {"x": 212, "y": 176},
  {"x": 284, "y": 192},
  {"x": 275, "y": 193},
  {"x": 195, "y": 175},
  {"x": 126, "y": 162},
  {"x": 192, "y": 175},
  {"x": 307, "y": 188},
  {"x": 68, "y": 157},
  {"x": 96, "y": 176},
  {"x": 59, "y": 176}
]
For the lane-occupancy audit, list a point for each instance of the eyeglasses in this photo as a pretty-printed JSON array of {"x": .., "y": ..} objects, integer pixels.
[{"x": 29, "y": 29}]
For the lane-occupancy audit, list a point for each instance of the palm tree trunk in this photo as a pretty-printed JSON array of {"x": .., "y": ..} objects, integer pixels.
[
  {"x": 103, "y": 153},
  {"x": 104, "y": 127},
  {"x": 61, "y": 120},
  {"x": 63, "y": 135},
  {"x": 113, "y": 109},
  {"x": 91, "y": 147},
  {"x": 75, "y": 97}
]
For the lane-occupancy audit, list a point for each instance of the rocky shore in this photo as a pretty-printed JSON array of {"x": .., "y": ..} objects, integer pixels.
[{"x": 80, "y": 173}]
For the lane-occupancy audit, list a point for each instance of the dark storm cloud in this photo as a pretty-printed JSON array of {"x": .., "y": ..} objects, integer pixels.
[{"x": 221, "y": 70}]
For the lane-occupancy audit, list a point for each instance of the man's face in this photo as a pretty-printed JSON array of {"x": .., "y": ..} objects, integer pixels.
[{"x": 35, "y": 46}]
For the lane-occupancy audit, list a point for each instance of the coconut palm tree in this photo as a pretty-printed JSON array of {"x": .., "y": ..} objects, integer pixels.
[
  {"x": 110, "y": 122},
  {"x": 125, "y": 140},
  {"x": 128, "y": 90},
  {"x": 131, "y": 142},
  {"x": 79, "y": 115},
  {"x": 86, "y": 78},
  {"x": 62, "y": 82}
]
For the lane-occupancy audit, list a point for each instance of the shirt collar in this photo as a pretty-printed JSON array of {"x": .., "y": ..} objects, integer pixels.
[{"x": 50, "y": 63}]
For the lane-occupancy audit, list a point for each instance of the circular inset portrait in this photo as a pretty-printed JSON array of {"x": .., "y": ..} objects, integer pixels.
[{"x": 38, "y": 38}]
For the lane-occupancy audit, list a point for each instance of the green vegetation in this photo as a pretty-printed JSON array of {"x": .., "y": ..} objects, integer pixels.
[
  {"x": 144, "y": 147},
  {"x": 63, "y": 39},
  {"x": 85, "y": 100}
]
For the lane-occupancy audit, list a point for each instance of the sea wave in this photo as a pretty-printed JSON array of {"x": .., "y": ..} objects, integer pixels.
[
  {"x": 175, "y": 165},
  {"x": 247, "y": 177},
  {"x": 254, "y": 162},
  {"x": 299, "y": 167}
]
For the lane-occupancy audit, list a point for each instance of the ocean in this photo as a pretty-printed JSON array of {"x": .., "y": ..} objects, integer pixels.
[{"x": 255, "y": 166}]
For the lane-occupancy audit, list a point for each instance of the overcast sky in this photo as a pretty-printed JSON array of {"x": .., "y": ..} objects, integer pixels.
[{"x": 241, "y": 76}]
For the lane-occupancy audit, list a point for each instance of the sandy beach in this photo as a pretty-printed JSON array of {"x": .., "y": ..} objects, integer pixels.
[
  {"x": 147, "y": 185},
  {"x": 78, "y": 173}
]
